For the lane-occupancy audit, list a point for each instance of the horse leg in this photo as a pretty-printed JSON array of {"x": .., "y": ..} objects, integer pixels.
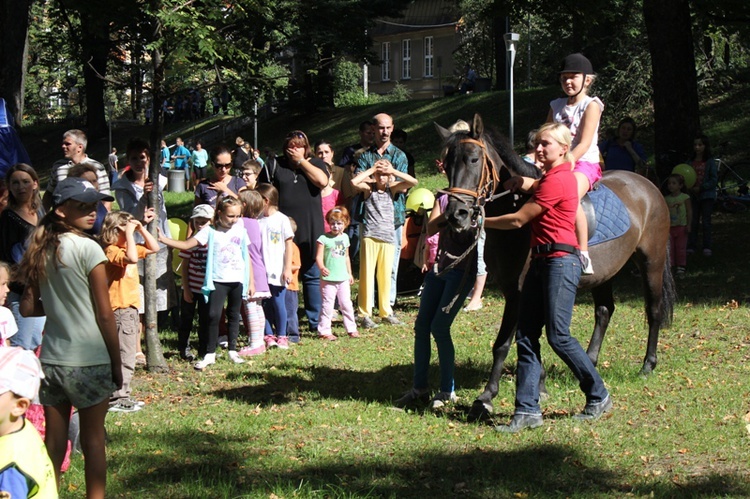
[
  {"x": 653, "y": 284},
  {"x": 482, "y": 406},
  {"x": 604, "y": 307}
]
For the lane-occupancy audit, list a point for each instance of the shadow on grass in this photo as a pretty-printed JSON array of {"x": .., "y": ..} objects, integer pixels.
[{"x": 211, "y": 465}]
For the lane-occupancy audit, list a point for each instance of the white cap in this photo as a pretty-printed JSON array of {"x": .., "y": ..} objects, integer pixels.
[{"x": 20, "y": 372}]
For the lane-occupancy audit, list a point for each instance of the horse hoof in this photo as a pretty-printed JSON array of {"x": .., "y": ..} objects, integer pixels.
[{"x": 480, "y": 411}]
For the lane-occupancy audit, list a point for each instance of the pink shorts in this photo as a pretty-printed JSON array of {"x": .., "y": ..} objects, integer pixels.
[{"x": 592, "y": 171}]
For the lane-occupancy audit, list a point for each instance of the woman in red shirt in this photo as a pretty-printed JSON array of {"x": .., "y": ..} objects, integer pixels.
[{"x": 549, "y": 290}]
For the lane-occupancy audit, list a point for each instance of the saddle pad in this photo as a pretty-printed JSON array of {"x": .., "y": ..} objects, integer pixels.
[{"x": 612, "y": 218}]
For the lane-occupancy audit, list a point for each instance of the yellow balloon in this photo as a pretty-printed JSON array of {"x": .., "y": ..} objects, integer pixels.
[
  {"x": 687, "y": 172},
  {"x": 178, "y": 228}
]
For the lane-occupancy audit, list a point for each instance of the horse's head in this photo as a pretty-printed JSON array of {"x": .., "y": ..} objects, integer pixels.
[{"x": 471, "y": 166}]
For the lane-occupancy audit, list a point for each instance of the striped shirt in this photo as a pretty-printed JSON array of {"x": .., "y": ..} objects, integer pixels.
[
  {"x": 196, "y": 266},
  {"x": 60, "y": 173}
]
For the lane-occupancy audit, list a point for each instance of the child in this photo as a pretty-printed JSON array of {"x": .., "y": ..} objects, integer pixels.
[
  {"x": 378, "y": 245},
  {"x": 88, "y": 171},
  {"x": 118, "y": 240},
  {"x": 8, "y": 325},
  {"x": 252, "y": 311},
  {"x": 66, "y": 280},
  {"x": 680, "y": 214},
  {"x": 332, "y": 257},
  {"x": 292, "y": 292},
  {"x": 250, "y": 170},
  {"x": 193, "y": 271},
  {"x": 277, "y": 255},
  {"x": 581, "y": 114},
  {"x": 25, "y": 467},
  {"x": 229, "y": 274},
  {"x": 703, "y": 193}
]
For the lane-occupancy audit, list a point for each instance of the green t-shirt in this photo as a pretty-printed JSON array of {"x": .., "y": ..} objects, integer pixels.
[
  {"x": 677, "y": 209},
  {"x": 335, "y": 257},
  {"x": 71, "y": 334}
]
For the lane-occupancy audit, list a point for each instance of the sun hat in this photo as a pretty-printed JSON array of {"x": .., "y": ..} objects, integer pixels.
[
  {"x": 577, "y": 63},
  {"x": 203, "y": 211},
  {"x": 20, "y": 372},
  {"x": 78, "y": 189}
]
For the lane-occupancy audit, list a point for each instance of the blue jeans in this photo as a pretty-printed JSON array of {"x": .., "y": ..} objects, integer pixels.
[
  {"x": 29, "y": 335},
  {"x": 431, "y": 318},
  {"x": 292, "y": 321},
  {"x": 353, "y": 232},
  {"x": 309, "y": 276},
  {"x": 547, "y": 299},
  {"x": 275, "y": 310}
]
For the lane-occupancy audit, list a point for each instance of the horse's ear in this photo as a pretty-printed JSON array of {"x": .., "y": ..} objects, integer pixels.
[
  {"x": 443, "y": 132},
  {"x": 478, "y": 128}
]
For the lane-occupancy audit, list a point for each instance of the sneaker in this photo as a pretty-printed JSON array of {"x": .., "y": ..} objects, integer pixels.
[
  {"x": 328, "y": 337},
  {"x": 354, "y": 334},
  {"x": 223, "y": 341},
  {"x": 367, "y": 323},
  {"x": 441, "y": 399},
  {"x": 124, "y": 405},
  {"x": 139, "y": 403},
  {"x": 293, "y": 339},
  {"x": 392, "y": 320},
  {"x": 140, "y": 359},
  {"x": 208, "y": 359},
  {"x": 282, "y": 342},
  {"x": 586, "y": 267},
  {"x": 187, "y": 355},
  {"x": 521, "y": 422},
  {"x": 249, "y": 352},
  {"x": 594, "y": 410},
  {"x": 707, "y": 252},
  {"x": 680, "y": 272},
  {"x": 270, "y": 341},
  {"x": 471, "y": 307},
  {"x": 412, "y": 397},
  {"x": 235, "y": 357}
]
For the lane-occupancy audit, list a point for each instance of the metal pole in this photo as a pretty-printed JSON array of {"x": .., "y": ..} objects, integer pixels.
[
  {"x": 365, "y": 77},
  {"x": 511, "y": 40},
  {"x": 255, "y": 120},
  {"x": 109, "y": 125}
]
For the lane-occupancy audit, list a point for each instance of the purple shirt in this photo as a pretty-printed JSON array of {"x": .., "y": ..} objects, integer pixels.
[{"x": 256, "y": 254}]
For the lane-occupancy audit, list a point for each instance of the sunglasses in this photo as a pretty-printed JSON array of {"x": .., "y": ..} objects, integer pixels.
[
  {"x": 295, "y": 135},
  {"x": 247, "y": 174},
  {"x": 222, "y": 165}
]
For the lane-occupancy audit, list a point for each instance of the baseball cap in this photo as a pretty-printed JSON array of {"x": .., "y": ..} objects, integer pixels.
[
  {"x": 203, "y": 211},
  {"x": 577, "y": 63},
  {"x": 78, "y": 189},
  {"x": 20, "y": 372}
]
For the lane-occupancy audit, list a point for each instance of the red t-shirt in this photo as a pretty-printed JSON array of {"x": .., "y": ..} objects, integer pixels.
[{"x": 557, "y": 194}]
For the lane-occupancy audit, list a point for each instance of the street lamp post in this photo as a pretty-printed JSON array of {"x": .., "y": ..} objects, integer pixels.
[
  {"x": 109, "y": 104},
  {"x": 511, "y": 40}
]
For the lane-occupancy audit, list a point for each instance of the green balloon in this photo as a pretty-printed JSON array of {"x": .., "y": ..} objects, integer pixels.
[{"x": 687, "y": 172}]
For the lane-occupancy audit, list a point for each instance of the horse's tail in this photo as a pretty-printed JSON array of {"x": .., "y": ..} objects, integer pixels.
[{"x": 668, "y": 293}]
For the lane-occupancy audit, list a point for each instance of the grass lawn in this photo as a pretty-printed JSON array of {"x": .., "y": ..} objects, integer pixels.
[{"x": 317, "y": 421}]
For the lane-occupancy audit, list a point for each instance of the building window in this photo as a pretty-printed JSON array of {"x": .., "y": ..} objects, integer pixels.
[
  {"x": 385, "y": 67},
  {"x": 406, "y": 59},
  {"x": 428, "y": 57}
]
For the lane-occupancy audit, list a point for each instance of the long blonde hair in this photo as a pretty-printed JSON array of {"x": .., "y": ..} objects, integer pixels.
[
  {"x": 113, "y": 223},
  {"x": 43, "y": 242},
  {"x": 560, "y": 134}
]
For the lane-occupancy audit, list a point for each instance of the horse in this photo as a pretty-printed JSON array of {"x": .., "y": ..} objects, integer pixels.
[{"x": 477, "y": 162}]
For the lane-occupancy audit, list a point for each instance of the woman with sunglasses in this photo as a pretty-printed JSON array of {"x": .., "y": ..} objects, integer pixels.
[
  {"x": 220, "y": 183},
  {"x": 299, "y": 177}
]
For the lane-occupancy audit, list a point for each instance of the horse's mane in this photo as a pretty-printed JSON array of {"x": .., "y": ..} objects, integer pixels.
[{"x": 512, "y": 160}]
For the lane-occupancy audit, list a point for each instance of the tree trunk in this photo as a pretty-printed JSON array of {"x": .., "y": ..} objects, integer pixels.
[
  {"x": 155, "y": 356},
  {"x": 13, "y": 49},
  {"x": 676, "y": 111},
  {"x": 95, "y": 51}
]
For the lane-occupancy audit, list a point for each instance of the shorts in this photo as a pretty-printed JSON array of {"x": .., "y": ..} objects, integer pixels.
[
  {"x": 81, "y": 387},
  {"x": 592, "y": 171},
  {"x": 200, "y": 173}
]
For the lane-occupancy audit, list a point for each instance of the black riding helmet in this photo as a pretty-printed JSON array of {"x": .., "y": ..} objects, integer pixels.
[{"x": 577, "y": 63}]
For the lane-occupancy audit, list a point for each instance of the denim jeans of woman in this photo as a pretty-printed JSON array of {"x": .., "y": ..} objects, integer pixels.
[
  {"x": 436, "y": 295},
  {"x": 547, "y": 299},
  {"x": 29, "y": 335}
]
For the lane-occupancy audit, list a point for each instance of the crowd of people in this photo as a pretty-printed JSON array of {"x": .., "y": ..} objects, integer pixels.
[{"x": 261, "y": 232}]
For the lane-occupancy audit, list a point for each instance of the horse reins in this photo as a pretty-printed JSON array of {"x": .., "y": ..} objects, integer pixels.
[{"x": 488, "y": 182}]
